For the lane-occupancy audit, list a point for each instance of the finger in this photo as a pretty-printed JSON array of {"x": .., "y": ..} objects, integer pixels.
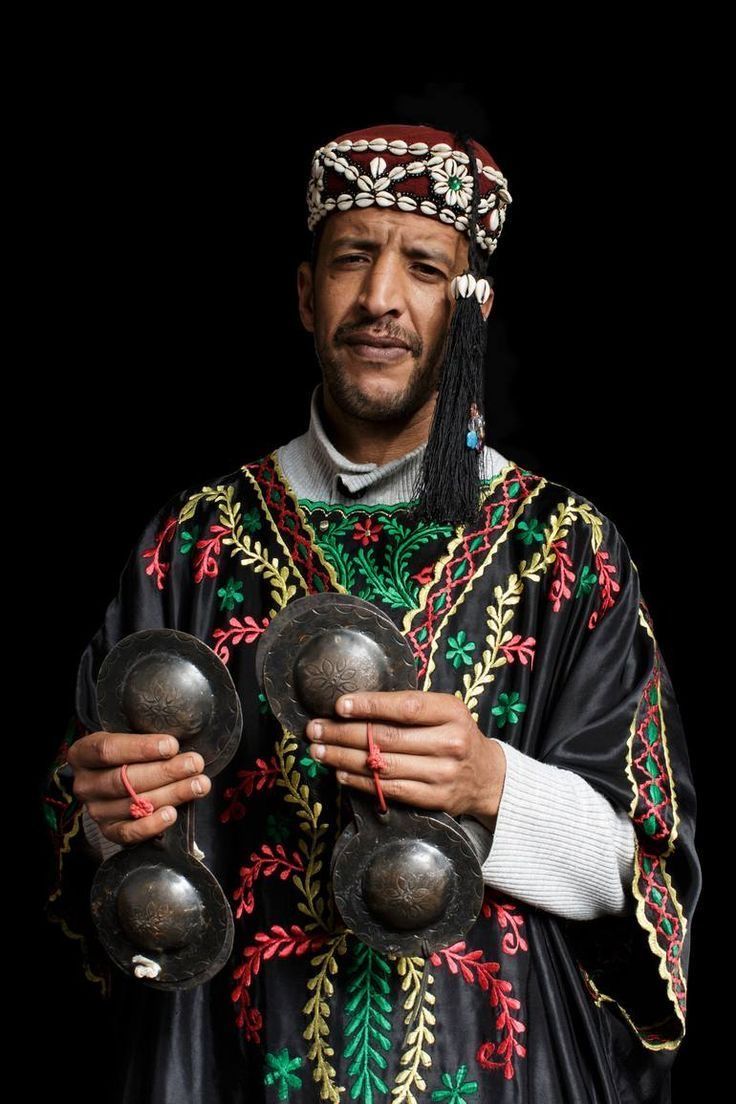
[
  {"x": 416, "y": 768},
  {"x": 435, "y": 740},
  {"x": 130, "y": 831},
  {"x": 106, "y": 749},
  {"x": 395, "y": 789},
  {"x": 407, "y": 707},
  {"x": 96, "y": 785},
  {"x": 175, "y": 794}
]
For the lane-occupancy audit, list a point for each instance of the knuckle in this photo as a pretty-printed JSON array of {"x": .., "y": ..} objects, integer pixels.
[
  {"x": 174, "y": 769},
  {"x": 372, "y": 707},
  {"x": 411, "y": 707},
  {"x": 125, "y": 834},
  {"x": 390, "y": 736},
  {"x": 396, "y": 787},
  {"x": 79, "y": 786},
  {"x": 105, "y": 745},
  {"x": 445, "y": 773},
  {"x": 455, "y": 746},
  {"x": 390, "y": 761}
]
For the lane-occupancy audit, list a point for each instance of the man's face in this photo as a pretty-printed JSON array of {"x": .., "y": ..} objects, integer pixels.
[{"x": 382, "y": 276}]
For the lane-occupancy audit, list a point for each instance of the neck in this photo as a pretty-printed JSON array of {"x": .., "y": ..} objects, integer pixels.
[{"x": 368, "y": 442}]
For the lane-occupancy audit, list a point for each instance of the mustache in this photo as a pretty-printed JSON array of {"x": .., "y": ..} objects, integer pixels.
[{"x": 344, "y": 333}]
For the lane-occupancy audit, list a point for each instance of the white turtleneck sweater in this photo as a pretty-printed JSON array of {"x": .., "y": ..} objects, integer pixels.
[{"x": 558, "y": 843}]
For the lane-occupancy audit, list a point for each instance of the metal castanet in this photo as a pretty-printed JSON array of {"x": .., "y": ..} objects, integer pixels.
[
  {"x": 407, "y": 881},
  {"x": 161, "y": 915}
]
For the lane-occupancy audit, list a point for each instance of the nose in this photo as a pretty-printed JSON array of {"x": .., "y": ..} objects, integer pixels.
[{"x": 382, "y": 288}]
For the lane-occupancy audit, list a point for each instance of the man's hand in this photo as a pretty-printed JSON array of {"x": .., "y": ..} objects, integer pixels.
[
  {"x": 154, "y": 771},
  {"x": 437, "y": 757}
]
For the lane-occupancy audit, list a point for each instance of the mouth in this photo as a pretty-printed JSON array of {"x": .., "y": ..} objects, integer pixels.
[{"x": 368, "y": 347}]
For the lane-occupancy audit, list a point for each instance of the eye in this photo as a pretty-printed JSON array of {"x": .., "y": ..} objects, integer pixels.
[{"x": 426, "y": 269}]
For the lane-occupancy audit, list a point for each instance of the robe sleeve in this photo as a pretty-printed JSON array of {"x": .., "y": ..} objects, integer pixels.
[
  {"x": 149, "y": 595},
  {"x": 615, "y": 721}
]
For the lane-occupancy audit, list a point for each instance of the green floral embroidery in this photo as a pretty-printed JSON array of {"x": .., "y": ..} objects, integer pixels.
[
  {"x": 251, "y": 521},
  {"x": 528, "y": 532},
  {"x": 312, "y": 767},
  {"x": 508, "y": 709},
  {"x": 277, "y": 828},
  {"x": 385, "y": 573},
  {"x": 281, "y": 1072},
  {"x": 263, "y": 706},
  {"x": 367, "y": 1011},
  {"x": 586, "y": 582},
  {"x": 189, "y": 538},
  {"x": 459, "y": 650},
  {"x": 457, "y": 1088},
  {"x": 230, "y": 594}
]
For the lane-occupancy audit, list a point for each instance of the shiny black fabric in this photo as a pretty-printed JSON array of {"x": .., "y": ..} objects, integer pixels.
[{"x": 531, "y": 1006}]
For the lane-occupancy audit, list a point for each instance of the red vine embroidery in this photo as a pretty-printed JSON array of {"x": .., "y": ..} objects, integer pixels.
[
  {"x": 471, "y": 966},
  {"x": 523, "y": 650},
  {"x": 205, "y": 562},
  {"x": 506, "y": 917},
  {"x": 266, "y": 946},
  {"x": 157, "y": 566},
  {"x": 562, "y": 575},
  {"x": 607, "y": 586},
  {"x": 263, "y": 777},
  {"x": 266, "y": 863},
  {"x": 245, "y": 631}
]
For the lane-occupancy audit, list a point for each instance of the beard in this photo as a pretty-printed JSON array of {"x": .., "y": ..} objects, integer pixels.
[{"x": 419, "y": 388}]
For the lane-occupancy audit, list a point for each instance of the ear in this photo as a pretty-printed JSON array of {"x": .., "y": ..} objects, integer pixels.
[{"x": 305, "y": 292}]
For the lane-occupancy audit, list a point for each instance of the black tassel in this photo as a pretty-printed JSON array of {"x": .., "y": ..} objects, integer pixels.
[{"x": 448, "y": 489}]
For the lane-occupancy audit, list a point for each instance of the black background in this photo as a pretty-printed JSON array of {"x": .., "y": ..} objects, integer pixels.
[{"x": 166, "y": 219}]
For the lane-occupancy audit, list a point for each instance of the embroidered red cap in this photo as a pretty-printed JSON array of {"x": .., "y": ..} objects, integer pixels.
[{"x": 409, "y": 168}]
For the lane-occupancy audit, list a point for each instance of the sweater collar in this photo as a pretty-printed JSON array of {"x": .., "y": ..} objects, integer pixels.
[
  {"x": 347, "y": 477},
  {"x": 317, "y": 471}
]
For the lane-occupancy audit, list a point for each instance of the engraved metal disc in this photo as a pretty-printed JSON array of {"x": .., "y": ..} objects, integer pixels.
[
  {"x": 160, "y": 909},
  {"x": 406, "y": 882},
  {"x": 155, "y": 901},
  {"x": 325, "y": 645},
  {"x": 164, "y": 680}
]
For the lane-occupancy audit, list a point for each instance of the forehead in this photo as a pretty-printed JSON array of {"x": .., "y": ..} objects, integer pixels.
[{"x": 396, "y": 227}]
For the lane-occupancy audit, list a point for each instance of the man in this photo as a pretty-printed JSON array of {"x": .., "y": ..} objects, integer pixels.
[{"x": 544, "y": 710}]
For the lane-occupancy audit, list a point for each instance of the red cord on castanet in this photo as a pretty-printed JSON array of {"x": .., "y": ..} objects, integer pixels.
[
  {"x": 139, "y": 806},
  {"x": 375, "y": 761}
]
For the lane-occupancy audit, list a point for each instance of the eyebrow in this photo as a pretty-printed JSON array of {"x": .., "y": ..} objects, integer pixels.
[{"x": 417, "y": 252}]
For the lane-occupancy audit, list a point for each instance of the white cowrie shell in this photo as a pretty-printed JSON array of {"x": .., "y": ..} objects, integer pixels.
[{"x": 482, "y": 291}]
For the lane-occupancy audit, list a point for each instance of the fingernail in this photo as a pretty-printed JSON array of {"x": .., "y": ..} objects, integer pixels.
[
  {"x": 165, "y": 747},
  {"x": 347, "y": 705},
  {"x": 317, "y": 751},
  {"x": 191, "y": 766},
  {"x": 166, "y": 814},
  {"x": 197, "y": 786},
  {"x": 316, "y": 730}
]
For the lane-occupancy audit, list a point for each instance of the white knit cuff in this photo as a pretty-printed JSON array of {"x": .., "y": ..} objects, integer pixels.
[{"x": 560, "y": 844}]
